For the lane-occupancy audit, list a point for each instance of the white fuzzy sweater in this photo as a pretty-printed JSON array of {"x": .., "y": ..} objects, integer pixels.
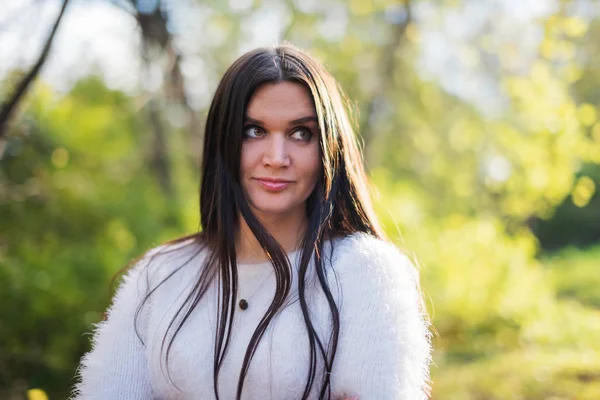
[{"x": 383, "y": 350}]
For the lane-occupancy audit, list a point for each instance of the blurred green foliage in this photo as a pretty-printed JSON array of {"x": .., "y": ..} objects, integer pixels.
[
  {"x": 463, "y": 191},
  {"x": 76, "y": 205},
  {"x": 576, "y": 276}
]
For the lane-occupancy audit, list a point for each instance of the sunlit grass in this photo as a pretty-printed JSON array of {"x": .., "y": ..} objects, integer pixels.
[{"x": 576, "y": 274}]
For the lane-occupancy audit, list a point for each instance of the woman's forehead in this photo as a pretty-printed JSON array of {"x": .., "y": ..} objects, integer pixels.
[{"x": 289, "y": 100}]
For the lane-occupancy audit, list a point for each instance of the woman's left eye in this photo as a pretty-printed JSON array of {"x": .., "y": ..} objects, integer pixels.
[
  {"x": 252, "y": 131},
  {"x": 302, "y": 134}
]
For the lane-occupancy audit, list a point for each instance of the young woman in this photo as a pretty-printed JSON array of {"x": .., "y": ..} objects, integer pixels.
[{"x": 290, "y": 290}]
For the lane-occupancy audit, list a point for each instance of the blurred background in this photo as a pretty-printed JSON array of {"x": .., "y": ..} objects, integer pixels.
[{"x": 480, "y": 127}]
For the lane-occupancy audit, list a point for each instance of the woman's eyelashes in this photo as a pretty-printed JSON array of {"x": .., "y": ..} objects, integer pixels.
[{"x": 301, "y": 133}]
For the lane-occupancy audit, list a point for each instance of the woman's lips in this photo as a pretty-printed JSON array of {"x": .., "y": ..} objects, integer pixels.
[{"x": 273, "y": 185}]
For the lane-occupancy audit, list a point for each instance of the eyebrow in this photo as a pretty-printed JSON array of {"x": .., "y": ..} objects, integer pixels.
[{"x": 294, "y": 122}]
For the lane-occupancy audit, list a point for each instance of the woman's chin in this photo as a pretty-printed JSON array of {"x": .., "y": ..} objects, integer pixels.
[
  {"x": 271, "y": 211},
  {"x": 268, "y": 209}
]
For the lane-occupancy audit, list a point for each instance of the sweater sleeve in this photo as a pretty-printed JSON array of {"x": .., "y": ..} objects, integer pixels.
[
  {"x": 116, "y": 367},
  {"x": 384, "y": 346}
]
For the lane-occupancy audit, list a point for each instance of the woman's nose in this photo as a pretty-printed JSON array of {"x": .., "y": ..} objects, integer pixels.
[{"x": 276, "y": 151}]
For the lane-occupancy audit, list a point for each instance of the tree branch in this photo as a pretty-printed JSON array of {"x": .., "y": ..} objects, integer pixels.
[{"x": 8, "y": 107}]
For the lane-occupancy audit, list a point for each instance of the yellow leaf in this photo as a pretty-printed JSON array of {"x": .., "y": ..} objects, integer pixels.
[
  {"x": 586, "y": 113},
  {"x": 60, "y": 157},
  {"x": 574, "y": 27},
  {"x": 36, "y": 394},
  {"x": 583, "y": 191},
  {"x": 565, "y": 50},
  {"x": 361, "y": 7},
  {"x": 122, "y": 236},
  {"x": 540, "y": 73},
  {"x": 596, "y": 132},
  {"x": 572, "y": 73},
  {"x": 547, "y": 48}
]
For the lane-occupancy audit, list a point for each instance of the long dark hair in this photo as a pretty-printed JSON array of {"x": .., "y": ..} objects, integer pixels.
[{"x": 338, "y": 206}]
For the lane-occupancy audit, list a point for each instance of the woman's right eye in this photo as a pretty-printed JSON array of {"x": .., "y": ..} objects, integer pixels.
[{"x": 252, "y": 131}]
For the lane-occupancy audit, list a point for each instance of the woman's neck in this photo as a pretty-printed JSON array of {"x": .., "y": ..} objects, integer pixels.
[{"x": 287, "y": 230}]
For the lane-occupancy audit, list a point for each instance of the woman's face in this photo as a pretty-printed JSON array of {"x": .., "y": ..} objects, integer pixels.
[{"x": 280, "y": 161}]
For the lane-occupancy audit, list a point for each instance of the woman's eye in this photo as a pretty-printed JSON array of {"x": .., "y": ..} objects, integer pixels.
[
  {"x": 302, "y": 134},
  {"x": 253, "y": 131}
]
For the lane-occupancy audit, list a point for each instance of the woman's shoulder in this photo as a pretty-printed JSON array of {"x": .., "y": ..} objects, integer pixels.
[
  {"x": 364, "y": 256},
  {"x": 188, "y": 246},
  {"x": 384, "y": 339},
  {"x": 184, "y": 255},
  {"x": 366, "y": 248}
]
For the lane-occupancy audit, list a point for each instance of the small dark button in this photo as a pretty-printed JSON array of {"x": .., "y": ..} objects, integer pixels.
[{"x": 243, "y": 304}]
